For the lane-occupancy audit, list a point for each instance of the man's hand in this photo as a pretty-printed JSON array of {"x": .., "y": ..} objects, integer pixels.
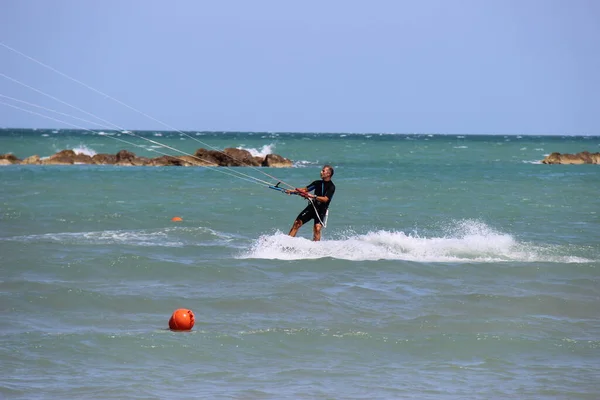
[{"x": 303, "y": 193}]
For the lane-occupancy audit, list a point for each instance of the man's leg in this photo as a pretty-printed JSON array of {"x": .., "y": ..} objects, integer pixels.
[
  {"x": 297, "y": 224},
  {"x": 317, "y": 232}
]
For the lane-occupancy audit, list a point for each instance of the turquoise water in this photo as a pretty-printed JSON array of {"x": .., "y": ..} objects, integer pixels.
[{"x": 452, "y": 267}]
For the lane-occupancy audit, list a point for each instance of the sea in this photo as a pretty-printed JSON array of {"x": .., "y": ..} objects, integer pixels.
[{"x": 451, "y": 267}]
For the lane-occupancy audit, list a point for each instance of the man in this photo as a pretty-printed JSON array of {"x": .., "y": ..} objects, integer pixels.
[{"x": 318, "y": 203}]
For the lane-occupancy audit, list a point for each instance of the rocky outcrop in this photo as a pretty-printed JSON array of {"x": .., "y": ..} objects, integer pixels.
[
  {"x": 229, "y": 157},
  {"x": 585, "y": 157}
]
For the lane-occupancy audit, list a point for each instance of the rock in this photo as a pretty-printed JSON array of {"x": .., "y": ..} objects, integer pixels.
[
  {"x": 125, "y": 157},
  {"x": 104, "y": 159},
  {"x": 553, "y": 158},
  {"x": 8, "y": 159},
  {"x": 66, "y": 157},
  {"x": 33, "y": 160},
  {"x": 240, "y": 158},
  {"x": 276, "y": 161},
  {"x": 192, "y": 161},
  {"x": 584, "y": 157},
  {"x": 82, "y": 159},
  {"x": 229, "y": 157},
  {"x": 63, "y": 157},
  {"x": 209, "y": 157},
  {"x": 140, "y": 161},
  {"x": 206, "y": 157},
  {"x": 166, "y": 161}
]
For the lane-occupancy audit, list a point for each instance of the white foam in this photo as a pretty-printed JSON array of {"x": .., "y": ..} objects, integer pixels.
[
  {"x": 463, "y": 241},
  {"x": 303, "y": 163},
  {"x": 162, "y": 237},
  {"x": 83, "y": 149},
  {"x": 263, "y": 152}
]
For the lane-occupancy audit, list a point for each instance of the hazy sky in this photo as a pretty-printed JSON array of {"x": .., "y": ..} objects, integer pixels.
[{"x": 434, "y": 66}]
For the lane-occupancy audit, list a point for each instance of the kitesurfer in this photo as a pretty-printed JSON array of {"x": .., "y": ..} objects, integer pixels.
[{"x": 318, "y": 203}]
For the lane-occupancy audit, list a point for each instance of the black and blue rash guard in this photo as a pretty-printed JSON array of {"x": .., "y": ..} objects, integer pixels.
[{"x": 322, "y": 188}]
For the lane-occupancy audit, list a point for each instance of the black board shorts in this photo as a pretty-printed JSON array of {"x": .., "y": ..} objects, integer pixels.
[{"x": 309, "y": 213}]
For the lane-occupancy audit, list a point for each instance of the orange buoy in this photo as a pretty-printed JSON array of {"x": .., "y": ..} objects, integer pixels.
[
  {"x": 176, "y": 219},
  {"x": 181, "y": 320}
]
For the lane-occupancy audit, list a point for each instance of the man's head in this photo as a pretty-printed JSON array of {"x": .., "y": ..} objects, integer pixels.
[{"x": 327, "y": 172}]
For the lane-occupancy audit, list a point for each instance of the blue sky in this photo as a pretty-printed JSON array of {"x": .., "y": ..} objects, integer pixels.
[{"x": 430, "y": 66}]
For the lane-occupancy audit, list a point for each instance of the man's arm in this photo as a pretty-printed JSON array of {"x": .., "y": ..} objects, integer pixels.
[
  {"x": 297, "y": 190},
  {"x": 320, "y": 199}
]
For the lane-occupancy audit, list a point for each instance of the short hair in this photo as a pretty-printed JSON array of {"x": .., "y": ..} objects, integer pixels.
[{"x": 330, "y": 168}]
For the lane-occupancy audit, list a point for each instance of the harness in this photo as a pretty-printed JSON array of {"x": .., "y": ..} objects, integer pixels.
[{"x": 312, "y": 202}]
